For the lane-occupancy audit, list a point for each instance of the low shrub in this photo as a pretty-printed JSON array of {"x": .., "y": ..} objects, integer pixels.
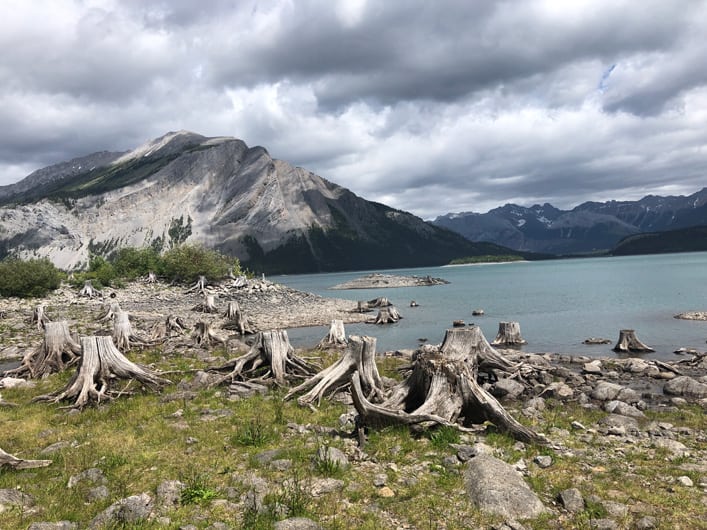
[
  {"x": 187, "y": 262},
  {"x": 27, "y": 279}
]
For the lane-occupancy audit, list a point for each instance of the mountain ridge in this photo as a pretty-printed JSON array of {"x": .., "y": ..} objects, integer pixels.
[
  {"x": 184, "y": 187},
  {"x": 589, "y": 227}
]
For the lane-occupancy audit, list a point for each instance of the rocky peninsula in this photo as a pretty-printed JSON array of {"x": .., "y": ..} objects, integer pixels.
[{"x": 380, "y": 281}]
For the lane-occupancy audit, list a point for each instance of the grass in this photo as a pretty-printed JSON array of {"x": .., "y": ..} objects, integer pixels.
[{"x": 211, "y": 446}]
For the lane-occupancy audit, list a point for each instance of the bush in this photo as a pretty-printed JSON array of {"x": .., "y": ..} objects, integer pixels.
[
  {"x": 187, "y": 262},
  {"x": 131, "y": 263},
  {"x": 31, "y": 278},
  {"x": 100, "y": 272}
]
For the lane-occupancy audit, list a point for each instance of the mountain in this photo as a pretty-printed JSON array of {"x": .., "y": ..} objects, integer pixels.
[
  {"x": 589, "y": 227},
  {"x": 184, "y": 187},
  {"x": 692, "y": 239}
]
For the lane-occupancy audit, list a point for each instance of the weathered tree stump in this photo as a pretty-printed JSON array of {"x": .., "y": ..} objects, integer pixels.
[
  {"x": 200, "y": 286},
  {"x": 628, "y": 343},
  {"x": 208, "y": 305},
  {"x": 57, "y": 351},
  {"x": 477, "y": 312},
  {"x": 236, "y": 319},
  {"x": 101, "y": 365},
  {"x": 387, "y": 315},
  {"x": 113, "y": 310},
  {"x": 360, "y": 357},
  {"x": 39, "y": 317},
  {"x": 362, "y": 307},
  {"x": 336, "y": 336},
  {"x": 508, "y": 335},
  {"x": 239, "y": 282},
  {"x": 458, "y": 323},
  {"x": 270, "y": 357},
  {"x": 164, "y": 330},
  {"x": 204, "y": 336},
  {"x": 151, "y": 277},
  {"x": 123, "y": 334},
  {"x": 88, "y": 290},
  {"x": 11, "y": 461},
  {"x": 442, "y": 389},
  {"x": 379, "y": 302},
  {"x": 414, "y": 304}
]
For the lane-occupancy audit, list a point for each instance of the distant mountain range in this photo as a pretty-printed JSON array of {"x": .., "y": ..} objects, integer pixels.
[
  {"x": 184, "y": 187},
  {"x": 590, "y": 227}
]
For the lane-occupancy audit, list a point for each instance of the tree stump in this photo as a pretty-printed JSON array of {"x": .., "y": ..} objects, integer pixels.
[
  {"x": 336, "y": 336},
  {"x": 509, "y": 335},
  {"x": 200, "y": 286},
  {"x": 442, "y": 389},
  {"x": 628, "y": 343},
  {"x": 414, "y": 304},
  {"x": 387, "y": 315},
  {"x": 151, "y": 277},
  {"x": 123, "y": 334},
  {"x": 270, "y": 357},
  {"x": 236, "y": 319},
  {"x": 379, "y": 302},
  {"x": 362, "y": 307},
  {"x": 101, "y": 365},
  {"x": 113, "y": 310},
  {"x": 204, "y": 336},
  {"x": 477, "y": 312},
  {"x": 8, "y": 460},
  {"x": 39, "y": 317},
  {"x": 57, "y": 351},
  {"x": 88, "y": 290},
  {"x": 207, "y": 306},
  {"x": 359, "y": 357},
  {"x": 239, "y": 282},
  {"x": 164, "y": 330}
]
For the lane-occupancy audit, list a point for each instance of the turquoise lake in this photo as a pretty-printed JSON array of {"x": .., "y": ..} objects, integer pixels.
[{"x": 558, "y": 303}]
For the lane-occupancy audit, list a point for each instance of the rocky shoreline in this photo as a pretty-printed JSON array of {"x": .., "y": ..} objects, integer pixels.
[{"x": 381, "y": 281}]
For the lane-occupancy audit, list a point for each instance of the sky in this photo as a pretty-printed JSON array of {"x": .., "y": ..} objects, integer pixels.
[{"x": 427, "y": 106}]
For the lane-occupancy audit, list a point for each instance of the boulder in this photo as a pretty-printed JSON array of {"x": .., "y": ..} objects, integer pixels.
[
  {"x": 297, "y": 523},
  {"x": 10, "y": 498},
  {"x": 509, "y": 388},
  {"x": 129, "y": 510},
  {"x": 686, "y": 386},
  {"x": 624, "y": 409},
  {"x": 509, "y": 497},
  {"x": 572, "y": 500}
]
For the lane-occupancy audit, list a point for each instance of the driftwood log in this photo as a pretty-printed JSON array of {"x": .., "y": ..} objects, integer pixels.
[
  {"x": 509, "y": 335},
  {"x": 204, "y": 336},
  {"x": 442, "y": 389},
  {"x": 628, "y": 343},
  {"x": 100, "y": 367},
  {"x": 39, "y": 317},
  {"x": 57, "y": 351},
  {"x": 271, "y": 357},
  {"x": 11, "y": 461},
  {"x": 336, "y": 336},
  {"x": 360, "y": 357},
  {"x": 236, "y": 319}
]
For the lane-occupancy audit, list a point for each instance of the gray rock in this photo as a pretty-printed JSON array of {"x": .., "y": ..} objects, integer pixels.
[
  {"x": 592, "y": 367},
  {"x": 297, "y": 523},
  {"x": 619, "y": 407},
  {"x": 605, "y": 391},
  {"x": 615, "y": 509},
  {"x": 380, "y": 480},
  {"x": 559, "y": 390},
  {"x": 129, "y": 510},
  {"x": 464, "y": 452},
  {"x": 572, "y": 500},
  {"x": 536, "y": 403},
  {"x": 509, "y": 388},
  {"x": 686, "y": 386},
  {"x": 646, "y": 523},
  {"x": 55, "y": 447},
  {"x": 333, "y": 456},
  {"x": 510, "y": 498},
  {"x": 323, "y": 486},
  {"x": 603, "y": 524},
  {"x": 543, "y": 461},
  {"x": 281, "y": 464},
  {"x": 168, "y": 494},
  {"x": 98, "y": 493},
  {"x": 266, "y": 457},
  {"x": 13, "y": 497},
  {"x": 61, "y": 525},
  {"x": 93, "y": 475},
  {"x": 618, "y": 423},
  {"x": 676, "y": 448},
  {"x": 686, "y": 481}
]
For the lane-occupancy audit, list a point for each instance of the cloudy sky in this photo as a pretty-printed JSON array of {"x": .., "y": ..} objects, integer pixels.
[{"x": 428, "y": 106}]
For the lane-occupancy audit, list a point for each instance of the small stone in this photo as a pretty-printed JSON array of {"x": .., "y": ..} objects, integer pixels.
[
  {"x": 602, "y": 524},
  {"x": 593, "y": 367},
  {"x": 577, "y": 426},
  {"x": 333, "y": 456},
  {"x": 98, "y": 493},
  {"x": 543, "y": 461},
  {"x": 572, "y": 500},
  {"x": 646, "y": 523},
  {"x": 191, "y": 440},
  {"x": 61, "y": 525},
  {"x": 297, "y": 523},
  {"x": 380, "y": 479},
  {"x": 385, "y": 491},
  {"x": 685, "y": 481}
]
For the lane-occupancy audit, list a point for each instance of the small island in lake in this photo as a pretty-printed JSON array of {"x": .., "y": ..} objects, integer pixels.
[
  {"x": 377, "y": 281},
  {"x": 486, "y": 259}
]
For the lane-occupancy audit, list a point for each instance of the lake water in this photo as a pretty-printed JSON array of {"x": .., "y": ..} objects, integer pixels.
[{"x": 558, "y": 303}]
